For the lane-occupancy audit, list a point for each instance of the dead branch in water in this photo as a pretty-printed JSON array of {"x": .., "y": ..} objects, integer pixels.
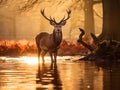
[{"x": 82, "y": 42}]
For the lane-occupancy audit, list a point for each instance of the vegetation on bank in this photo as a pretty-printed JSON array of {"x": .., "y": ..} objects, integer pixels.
[{"x": 28, "y": 47}]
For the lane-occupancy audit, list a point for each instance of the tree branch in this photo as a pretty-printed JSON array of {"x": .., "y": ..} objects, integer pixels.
[
  {"x": 98, "y": 14},
  {"x": 95, "y": 39},
  {"x": 82, "y": 42},
  {"x": 30, "y": 4}
]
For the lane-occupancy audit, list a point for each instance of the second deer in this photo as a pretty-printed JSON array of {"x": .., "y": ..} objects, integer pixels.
[{"x": 50, "y": 42}]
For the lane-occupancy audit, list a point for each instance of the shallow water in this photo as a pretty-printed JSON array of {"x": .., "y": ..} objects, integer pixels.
[{"x": 23, "y": 73}]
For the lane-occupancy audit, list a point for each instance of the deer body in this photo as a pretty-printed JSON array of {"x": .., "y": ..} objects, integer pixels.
[{"x": 50, "y": 42}]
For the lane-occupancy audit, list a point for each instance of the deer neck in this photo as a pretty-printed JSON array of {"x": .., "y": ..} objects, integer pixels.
[{"x": 57, "y": 37}]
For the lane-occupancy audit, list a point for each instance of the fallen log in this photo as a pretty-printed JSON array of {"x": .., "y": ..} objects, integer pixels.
[{"x": 105, "y": 50}]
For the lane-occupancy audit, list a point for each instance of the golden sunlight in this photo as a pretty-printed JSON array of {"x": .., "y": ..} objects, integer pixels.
[
  {"x": 32, "y": 60},
  {"x": 29, "y": 60}
]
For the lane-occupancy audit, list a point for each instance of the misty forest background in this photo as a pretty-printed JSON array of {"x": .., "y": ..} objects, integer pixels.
[{"x": 22, "y": 19}]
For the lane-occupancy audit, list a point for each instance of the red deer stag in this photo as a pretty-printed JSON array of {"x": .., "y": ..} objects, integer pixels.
[{"x": 50, "y": 42}]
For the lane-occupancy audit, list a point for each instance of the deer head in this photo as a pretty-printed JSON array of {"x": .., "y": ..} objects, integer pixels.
[{"x": 57, "y": 25}]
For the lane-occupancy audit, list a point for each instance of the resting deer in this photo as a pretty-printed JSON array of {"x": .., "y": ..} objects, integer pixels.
[{"x": 50, "y": 42}]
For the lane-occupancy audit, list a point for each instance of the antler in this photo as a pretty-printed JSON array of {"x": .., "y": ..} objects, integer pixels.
[
  {"x": 68, "y": 12},
  {"x": 53, "y": 20},
  {"x": 49, "y": 19},
  {"x": 42, "y": 12}
]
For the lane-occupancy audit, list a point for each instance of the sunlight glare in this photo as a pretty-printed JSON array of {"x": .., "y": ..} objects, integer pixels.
[
  {"x": 30, "y": 60},
  {"x": 33, "y": 59}
]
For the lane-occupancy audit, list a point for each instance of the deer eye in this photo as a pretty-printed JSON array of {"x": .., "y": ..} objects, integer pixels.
[
  {"x": 63, "y": 23},
  {"x": 52, "y": 22}
]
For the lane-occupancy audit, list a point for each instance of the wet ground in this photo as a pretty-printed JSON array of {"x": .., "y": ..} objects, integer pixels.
[{"x": 23, "y": 73}]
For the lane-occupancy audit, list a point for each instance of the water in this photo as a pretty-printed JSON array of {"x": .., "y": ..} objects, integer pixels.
[{"x": 23, "y": 73}]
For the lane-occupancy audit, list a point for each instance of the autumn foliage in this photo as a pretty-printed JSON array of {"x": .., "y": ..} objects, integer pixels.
[{"x": 28, "y": 47}]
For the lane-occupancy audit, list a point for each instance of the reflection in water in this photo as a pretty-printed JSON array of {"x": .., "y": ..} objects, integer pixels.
[
  {"x": 19, "y": 74},
  {"x": 111, "y": 79},
  {"x": 81, "y": 76},
  {"x": 15, "y": 75},
  {"x": 48, "y": 77}
]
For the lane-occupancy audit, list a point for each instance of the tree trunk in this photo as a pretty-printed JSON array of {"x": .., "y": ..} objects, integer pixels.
[
  {"x": 111, "y": 17},
  {"x": 89, "y": 17}
]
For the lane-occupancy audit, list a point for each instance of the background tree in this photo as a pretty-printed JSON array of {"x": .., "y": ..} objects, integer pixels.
[
  {"x": 89, "y": 15},
  {"x": 7, "y": 18},
  {"x": 111, "y": 20}
]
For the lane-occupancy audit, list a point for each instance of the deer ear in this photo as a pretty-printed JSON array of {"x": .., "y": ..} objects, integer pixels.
[
  {"x": 63, "y": 22},
  {"x": 52, "y": 22}
]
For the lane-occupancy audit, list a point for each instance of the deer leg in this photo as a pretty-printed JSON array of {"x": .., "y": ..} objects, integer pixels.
[
  {"x": 43, "y": 54},
  {"x": 55, "y": 57},
  {"x": 39, "y": 51},
  {"x": 51, "y": 66},
  {"x": 51, "y": 56}
]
